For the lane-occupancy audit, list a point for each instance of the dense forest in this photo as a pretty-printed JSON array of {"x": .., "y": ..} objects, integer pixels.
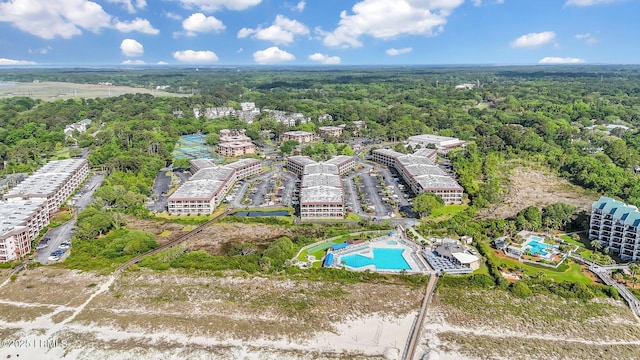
[{"x": 552, "y": 116}]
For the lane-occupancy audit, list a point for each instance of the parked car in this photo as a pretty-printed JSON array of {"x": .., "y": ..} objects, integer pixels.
[
  {"x": 53, "y": 257},
  {"x": 41, "y": 245}
]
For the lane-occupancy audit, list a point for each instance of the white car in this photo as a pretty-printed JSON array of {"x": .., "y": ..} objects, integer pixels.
[{"x": 54, "y": 258}]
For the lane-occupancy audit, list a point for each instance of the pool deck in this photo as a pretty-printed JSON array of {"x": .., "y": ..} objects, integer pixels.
[{"x": 410, "y": 254}]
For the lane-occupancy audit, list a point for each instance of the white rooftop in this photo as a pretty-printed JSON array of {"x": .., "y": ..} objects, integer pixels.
[
  {"x": 303, "y": 160},
  {"x": 337, "y": 160},
  {"x": 47, "y": 179},
  {"x": 321, "y": 195},
  {"x": 321, "y": 168},
  {"x": 203, "y": 189},
  {"x": 219, "y": 173},
  {"x": 15, "y": 213},
  {"x": 435, "y": 182},
  {"x": 465, "y": 258},
  {"x": 314, "y": 180}
]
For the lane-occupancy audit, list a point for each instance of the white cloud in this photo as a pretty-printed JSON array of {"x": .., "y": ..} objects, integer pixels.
[
  {"x": 325, "y": 59},
  {"x": 4, "y": 61},
  {"x": 162, "y": 63},
  {"x": 130, "y": 5},
  {"x": 588, "y": 38},
  {"x": 560, "y": 60},
  {"x": 139, "y": 25},
  {"x": 133, "y": 62},
  {"x": 533, "y": 40},
  {"x": 394, "y": 52},
  {"x": 199, "y": 23},
  {"x": 215, "y": 5},
  {"x": 300, "y": 6},
  {"x": 41, "y": 51},
  {"x": 385, "y": 19},
  {"x": 479, "y": 2},
  {"x": 197, "y": 57},
  {"x": 272, "y": 55},
  {"x": 282, "y": 31},
  {"x": 51, "y": 18},
  {"x": 172, "y": 16},
  {"x": 588, "y": 2},
  {"x": 131, "y": 48}
]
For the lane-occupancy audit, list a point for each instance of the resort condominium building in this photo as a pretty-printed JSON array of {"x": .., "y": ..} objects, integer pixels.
[
  {"x": 235, "y": 143},
  {"x": 53, "y": 182},
  {"x": 615, "y": 224},
  {"x": 208, "y": 186},
  {"x": 321, "y": 192},
  {"x": 443, "y": 144},
  {"x": 302, "y": 137},
  {"x": 334, "y": 131},
  {"x": 21, "y": 222},
  {"x": 421, "y": 173}
]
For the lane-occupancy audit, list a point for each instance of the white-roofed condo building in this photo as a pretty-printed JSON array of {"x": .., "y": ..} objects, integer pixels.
[
  {"x": 615, "y": 224},
  {"x": 54, "y": 182},
  {"x": 421, "y": 173},
  {"x": 208, "y": 186},
  {"x": 321, "y": 192},
  {"x": 20, "y": 223}
]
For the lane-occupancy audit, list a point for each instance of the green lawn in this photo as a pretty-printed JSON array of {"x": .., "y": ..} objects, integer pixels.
[
  {"x": 446, "y": 212},
  {"x": 571, "y": 273}
]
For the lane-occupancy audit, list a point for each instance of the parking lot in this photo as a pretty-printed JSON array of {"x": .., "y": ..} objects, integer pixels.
[{"x": 62, "y": 234}]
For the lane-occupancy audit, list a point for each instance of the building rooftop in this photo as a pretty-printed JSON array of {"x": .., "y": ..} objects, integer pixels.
[
  {"x": 298, "y": 133},
  {"x": 47, "y": 179},
  {"x": 242, "y": 162},
  {"x": 406, "y": 160},
  {"x": 197, "y": 190},
  {"x": 330, "y": 128},
  {"x": 235, "y": 144},
  {"x": 437, "y": 182},
  {"x": 388, "y": 152},
  {"x": 321, "y": 168},
  {"x": 15, "y": 213},
  {"x": 448, "y": 247},
  {"x": 337, "y": 160},
  {"x": 201, "y": 163},
  {"x": 219, "y": 173},
  {"x": 321, "y": 195},
  {"x": 435, "y": 139},
  {"x": 302, "y": 160},
  {"x": 465, "y": 258},
  {"x": 417, "y": 170},
  {"x": 314, "y": 180},
  {"x": 629, "y": 214}
]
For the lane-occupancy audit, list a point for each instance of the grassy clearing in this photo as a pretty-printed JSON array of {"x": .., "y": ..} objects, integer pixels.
[
  {"x": 568, "y": 271},
  {"x": 446, "y": 212}
]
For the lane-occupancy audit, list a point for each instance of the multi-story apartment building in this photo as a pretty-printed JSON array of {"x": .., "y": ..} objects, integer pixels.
[
  {"x": 321, "y": 192},
  {"x": 334, "y": 131},
  {"x": 443, "y": 144},
  {"x": 302, "y": 137},
  {"x": 235, "y": 143},
  {"x": 54, "y": 182},
  {"x": 208, "y": 186},
  {"x": 616, "y": 225},
  {"x": 421, "y": 174},
  {"x": 20, "y": 223}
]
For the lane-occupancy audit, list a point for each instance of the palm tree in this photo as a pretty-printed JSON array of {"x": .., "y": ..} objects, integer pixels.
[
  {"x": 596, "y": 245},
  {"x": 618, "y": 277},
  {"x": 633, "y": 269}
]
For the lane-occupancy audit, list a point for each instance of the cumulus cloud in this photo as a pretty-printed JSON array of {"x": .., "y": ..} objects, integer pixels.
[
  {"x": 197, "y": 57},
  {"x": 133, "y": 62},
  {"x": 588, "y": 2},
  {"x": 215, "y": 5},
  {"x": 272, "y": 55},
  {"x": 325, "y": 59},
  {"x": 299, "y": 6},
  {"x": 172, "y": 16},
  {"x": 4, "y": 61},
  {"x": 139, "y": 25},
  {"x": 199, "y": 23},
  {"x": 561, "y": 60},
  {"x": 130, "y": 5},
  {"x": 282, "y": 31},
  {"x": 131, "y": 48},
  {"x": 533, "y": 40},
  {"x": 51, "y": 18},
  {"x": 385, "y": 19},
  {"x": 394, "y": 52}
]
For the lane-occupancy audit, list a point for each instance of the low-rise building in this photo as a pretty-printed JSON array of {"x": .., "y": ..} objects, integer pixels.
[
  {"x": 449, "y": 256},
  {"x": 343, "y": 162},
  {"x": 421, "y": 174},
  {"x": 443, "y": 144},
  {"x": 616, "y": 225},
  {"x": 208, "y": 186},
  {"x": 54, "y": 182},
  {"x": 21, "y": 222},
  {"x": 334, "y": 131},
  {"x": 302, "y": 137},
  {"x": 235, "y": 143}
]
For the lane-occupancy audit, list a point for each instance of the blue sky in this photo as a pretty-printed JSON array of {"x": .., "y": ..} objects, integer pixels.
[{"x": 315, "y": 32}]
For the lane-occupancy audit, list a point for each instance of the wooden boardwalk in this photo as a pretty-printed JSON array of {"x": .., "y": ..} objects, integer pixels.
[{"x": 414, "y": 334}]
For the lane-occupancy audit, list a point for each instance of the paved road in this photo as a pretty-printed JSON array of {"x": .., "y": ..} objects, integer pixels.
[
  {"x": 371, "y": 188},
  {"x": 160, "y": 186},
  {"x": 63, "y": 232}
]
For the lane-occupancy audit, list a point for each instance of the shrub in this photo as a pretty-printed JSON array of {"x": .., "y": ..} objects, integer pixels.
[{"x": 520, "y": 289}]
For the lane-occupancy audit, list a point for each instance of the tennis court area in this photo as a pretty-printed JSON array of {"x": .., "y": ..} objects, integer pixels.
[{"x": 192, "y": 147}]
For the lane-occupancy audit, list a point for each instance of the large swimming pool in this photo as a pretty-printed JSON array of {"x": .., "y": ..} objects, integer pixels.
[
  {"x": 537, "y": 247},
  {"x": 383, "y": 259}
]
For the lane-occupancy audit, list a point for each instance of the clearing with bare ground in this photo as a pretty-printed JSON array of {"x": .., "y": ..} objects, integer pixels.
[
  {"x": 535, "y": 187},
  {"x": 175, "y": 315},
  {"x": 50, "y": 90}
]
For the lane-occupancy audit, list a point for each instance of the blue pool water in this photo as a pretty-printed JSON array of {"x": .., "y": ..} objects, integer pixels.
[
  {"x": 383, "y": 259},
  {"x": 538, "y": 247}
]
